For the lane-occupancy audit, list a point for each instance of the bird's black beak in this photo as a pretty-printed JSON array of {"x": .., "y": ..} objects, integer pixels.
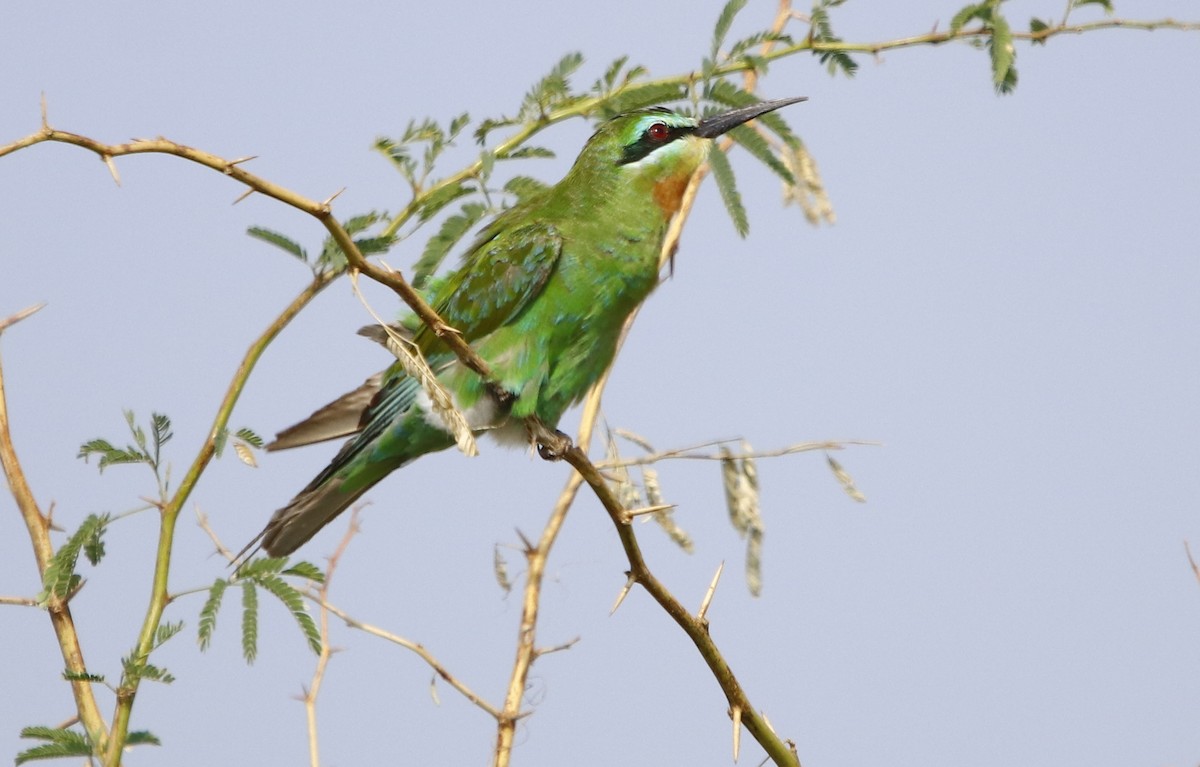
[{"x": 711, "y": 127}]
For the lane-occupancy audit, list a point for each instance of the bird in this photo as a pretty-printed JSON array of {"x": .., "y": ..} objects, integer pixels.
[{"x": 541, "y": 295}]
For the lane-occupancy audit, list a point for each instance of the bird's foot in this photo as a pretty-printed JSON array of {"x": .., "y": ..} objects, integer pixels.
[
  {"x": 552, "y": 444},
  {"x": 555, "y": 449}
]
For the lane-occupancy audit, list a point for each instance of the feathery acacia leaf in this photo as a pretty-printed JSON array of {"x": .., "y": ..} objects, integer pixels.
[
  {"x": 306, "y": 570},
  {"x": 438, "y": 247},
  {"x": 722, "y": 173},
  {"x": 62, "y": 742},
  {"x": 553, "y": 90},
  {"x": 524, "y": 187},
  {"x": 165, "y": 632},
  {"x": 753, "y": 142},
  {"x": 280, "y": 241},
  {"x": 60, "y": 578},
  {"x": 724, "y": 21},
  {"x": 208, "y": 613},
  {"x": 640, "y": 96},
  {"x": 250, "y": 437},
  {"x": 821, "y": 31},
  {"x": 294, "y": 601},
  {"x": 249, "y": 620},
  {"x": 1003, "y": 54}
]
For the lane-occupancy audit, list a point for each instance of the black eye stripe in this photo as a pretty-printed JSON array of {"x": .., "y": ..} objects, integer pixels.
[{"x": 645, "y": 145}]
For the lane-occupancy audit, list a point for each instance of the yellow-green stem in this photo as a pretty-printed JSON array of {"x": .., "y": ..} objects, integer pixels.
[{"x": 159, "y": 595}]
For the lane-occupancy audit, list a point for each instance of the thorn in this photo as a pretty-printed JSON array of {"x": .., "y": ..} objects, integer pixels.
[
  {"x": 737, "y": 731},
  {"x": 433, "y": 691},
  {"x": 329, "y": 200},
  {"x": 243, "y": 196},
  {"x": 241, "y": 160},
  {"x": 112, "y": 168},
  {"x": 708, "y": 595},
  {"x": 624, "y": 593},
  {"x": 629, "y": 515},
  {"x": 767, "y": 722},
  {"x": 15, "y": 318},
  {"x": 529, "y": 547},
  {"x": 45, "y": 113}
]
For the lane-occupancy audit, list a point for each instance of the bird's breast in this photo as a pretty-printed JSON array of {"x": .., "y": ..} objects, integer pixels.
[{"x": 668, "y": 193}]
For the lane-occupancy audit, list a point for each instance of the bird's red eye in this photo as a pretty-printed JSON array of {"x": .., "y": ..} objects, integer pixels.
[{"x": 658, "y": 132}]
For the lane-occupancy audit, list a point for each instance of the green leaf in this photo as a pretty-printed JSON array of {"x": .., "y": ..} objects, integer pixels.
[
  {"x": 451, "y": 231},
  {"x": 821, "y": 31},
  {"x": 722, "y": 172},
  {"x": 306, "y": 570},
  {"x": 756, "y": 145},
  {"x": 61, "y": 743},
  {"x": 524, "y": 187},
  {"x": 981, "y": 11},
  {"x": 294, "y": 601},
  {"x": 82, "y": 676},
  {"x": 250, "y": 437},
  {"x": 724, "y": 21},
  {"x": 1036, "y": 27},
  {"x": 249, "y": 621},
  {"x": 144, "y": 671},
  {"x": 60, "y": 579},
  {"x": 457, "y": 124},
  {"x": 260, "y": 566},
  {"x": 165, "y": 632},
  {"x": 109, "y": 454},
  {"x": 1003, "y": 54},
  {"x": 208, "y": 613},
  {"x": 1106, "y": 4},
  {"x": 528, "y": 151},
  {"x": 639, "y": 96},
  {"x": 440, "y": 198},
  {"x": 278, "y": 240},
  {"x": 142, "y": 738},
  {"x": 490, "y": 124},
  {"x": 553, "y": 90},
  {"x": 608, "y": 82}
]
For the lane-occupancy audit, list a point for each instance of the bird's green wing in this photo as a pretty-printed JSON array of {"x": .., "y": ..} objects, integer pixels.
[{"x": 503, "y": 273}]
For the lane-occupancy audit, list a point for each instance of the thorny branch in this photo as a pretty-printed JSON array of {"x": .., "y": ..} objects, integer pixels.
[{"x": 38, "y": 526}]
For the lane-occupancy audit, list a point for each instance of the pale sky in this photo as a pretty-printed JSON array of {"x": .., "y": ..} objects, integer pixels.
[{"x": 1007, "y": 303}]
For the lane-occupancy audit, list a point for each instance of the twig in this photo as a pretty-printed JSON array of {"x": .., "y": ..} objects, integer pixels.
[
  {"x": 407, "y": 644},
  {"x": 314, "y": 687},
  {"x": 693, "y": 453},
  {"x": 1191, "y": 561}
]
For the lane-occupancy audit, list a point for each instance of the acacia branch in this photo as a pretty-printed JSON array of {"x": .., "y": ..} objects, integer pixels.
[{"x": 38, "y": 526}]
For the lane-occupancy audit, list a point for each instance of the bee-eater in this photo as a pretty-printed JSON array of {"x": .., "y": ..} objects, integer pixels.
[{"x": 541, "y": 295}]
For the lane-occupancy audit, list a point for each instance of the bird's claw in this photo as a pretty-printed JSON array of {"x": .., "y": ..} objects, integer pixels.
[{"x": 553, "y": 447}]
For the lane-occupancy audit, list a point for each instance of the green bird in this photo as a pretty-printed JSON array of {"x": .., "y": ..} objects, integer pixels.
[{"x": 541, "y": 295}]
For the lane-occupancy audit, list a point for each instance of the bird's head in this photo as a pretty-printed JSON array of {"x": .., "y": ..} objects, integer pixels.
[{"x": 656, "y": 150}]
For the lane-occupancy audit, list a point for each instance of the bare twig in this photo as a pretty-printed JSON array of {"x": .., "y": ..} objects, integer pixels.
[
  {"x": 695, "y": 452},
  {"x": 407, "y": 644},
  {"x": 314, "y": 686},
  {"x": 1191, "y": 561}
]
